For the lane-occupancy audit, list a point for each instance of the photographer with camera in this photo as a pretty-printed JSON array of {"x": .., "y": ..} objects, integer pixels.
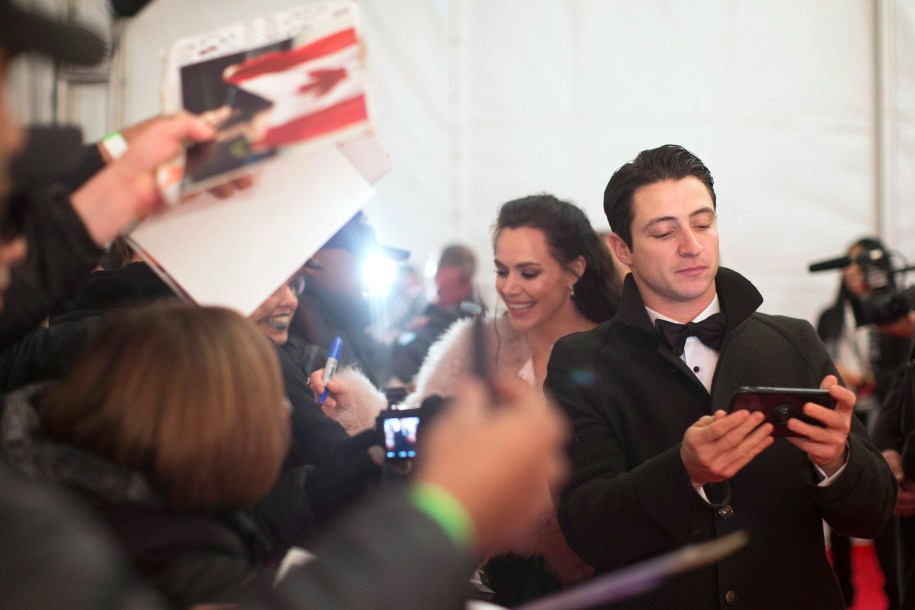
[
  {"x": 862, "y": 335},
  {"x": 886, "y": 311},
  {"x": 867, "y": 358}
]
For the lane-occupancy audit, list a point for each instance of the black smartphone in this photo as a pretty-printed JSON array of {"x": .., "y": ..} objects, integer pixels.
[
  {"x": 479, "y": 350},
  {"x": 398, "y": 429},
  {"x": 781, "y": 404},
  {"x": 481, "y": 361}
]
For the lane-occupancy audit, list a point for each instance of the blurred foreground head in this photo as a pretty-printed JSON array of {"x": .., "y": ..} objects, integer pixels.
[
  {"x": 23, "y": 31},
  {"x": 190, "y": 396}
]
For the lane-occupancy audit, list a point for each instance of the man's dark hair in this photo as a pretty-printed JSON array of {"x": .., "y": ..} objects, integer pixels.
[{"x": 668, "y": 162}]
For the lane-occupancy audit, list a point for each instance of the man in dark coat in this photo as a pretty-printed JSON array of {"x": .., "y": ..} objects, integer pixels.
[{"x": 657, "y": 459}]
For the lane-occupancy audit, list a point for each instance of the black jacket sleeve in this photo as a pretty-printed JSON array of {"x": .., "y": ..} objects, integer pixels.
[
  {"x": 305, "y": 499},
  {"x": 60, "y": 256},
  {"x": 314, "y": 435},
  {"x": 386, "y": 555},
  {"x": 888, "y": 432},
  {"x": 54, "y": 554},
  {"x": 44, "y": 353}
]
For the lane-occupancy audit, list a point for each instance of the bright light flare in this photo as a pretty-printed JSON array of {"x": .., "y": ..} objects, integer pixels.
[{"x": 379, "y": 274}]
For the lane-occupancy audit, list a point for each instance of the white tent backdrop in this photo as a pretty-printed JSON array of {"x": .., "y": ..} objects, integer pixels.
[
  {"x": 802, "y": 109},
  {"x": 897, "y": 72}
]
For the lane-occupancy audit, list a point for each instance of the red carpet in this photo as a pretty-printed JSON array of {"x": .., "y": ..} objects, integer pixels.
[{"x": 867, "y": 578}]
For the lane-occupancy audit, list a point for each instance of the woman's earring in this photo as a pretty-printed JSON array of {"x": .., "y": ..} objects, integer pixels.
[{"x": 572, "y": 291}]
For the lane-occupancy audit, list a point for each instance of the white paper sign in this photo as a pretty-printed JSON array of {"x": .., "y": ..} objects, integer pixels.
[{"x": 235, "y": 252}]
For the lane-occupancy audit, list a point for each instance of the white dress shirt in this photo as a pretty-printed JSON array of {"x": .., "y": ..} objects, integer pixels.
[
  {"x": 703, "y": 360},
  {"x": 698, "y": 356}
]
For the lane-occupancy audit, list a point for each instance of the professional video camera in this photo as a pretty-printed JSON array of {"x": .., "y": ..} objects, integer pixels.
[{"x": 887, "y": 301}]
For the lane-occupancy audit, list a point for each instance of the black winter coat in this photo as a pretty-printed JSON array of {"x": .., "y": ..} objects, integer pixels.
[
  {"x": 631, "y": 398},
  {"x": 60, "y": 251},
  {"x": 189, "y": 556}
]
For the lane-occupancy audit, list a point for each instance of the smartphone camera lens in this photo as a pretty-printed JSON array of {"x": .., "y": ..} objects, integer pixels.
[{"x": 781, "y": 414}]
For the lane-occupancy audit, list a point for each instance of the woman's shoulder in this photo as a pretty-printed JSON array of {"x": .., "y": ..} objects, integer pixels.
[
  {"x": 502, "y": 340},
  {"x": 449, "y": 359}
]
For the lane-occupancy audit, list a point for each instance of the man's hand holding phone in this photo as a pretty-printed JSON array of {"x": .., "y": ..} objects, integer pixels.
[
  {"x": 717, "y": 446},
  {"x": 826, "y": 446}
]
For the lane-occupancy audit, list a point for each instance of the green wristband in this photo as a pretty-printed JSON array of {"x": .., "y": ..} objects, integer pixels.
[{"x": 445, "y": 510}]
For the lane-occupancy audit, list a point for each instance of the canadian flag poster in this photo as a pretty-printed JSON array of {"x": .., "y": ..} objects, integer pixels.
[{"x": 281, "y": 84}]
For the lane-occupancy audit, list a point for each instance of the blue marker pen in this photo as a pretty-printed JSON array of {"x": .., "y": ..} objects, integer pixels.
[{"x": 333, "y": 355}]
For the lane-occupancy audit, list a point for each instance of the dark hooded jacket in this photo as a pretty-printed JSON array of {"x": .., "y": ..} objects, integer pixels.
[{"x": 190, "y": 556}]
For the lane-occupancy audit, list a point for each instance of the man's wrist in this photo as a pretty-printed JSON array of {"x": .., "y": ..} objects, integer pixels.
[
  {"x": 103, "y": 213},
  {"x": 834, "y": 467}
]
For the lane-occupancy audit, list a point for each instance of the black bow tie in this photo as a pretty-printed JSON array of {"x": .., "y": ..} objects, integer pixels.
[{"x": 710, "y": 331}]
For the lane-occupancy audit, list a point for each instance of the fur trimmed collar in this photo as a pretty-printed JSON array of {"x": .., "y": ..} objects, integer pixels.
[
  {"x": 26, "y": 447},
  {"x": 449, "y": 358}
]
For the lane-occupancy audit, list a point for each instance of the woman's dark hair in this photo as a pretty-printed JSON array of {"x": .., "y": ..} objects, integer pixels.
[{"x": 569, "y": 235}]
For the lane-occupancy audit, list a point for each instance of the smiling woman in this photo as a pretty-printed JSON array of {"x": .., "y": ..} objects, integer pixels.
[
  {"x": 554, "y": 274},
  {"x": 555, "y": 277},
  {"x": 274, "y": 315},
  {"x": 534, "y": 286}
]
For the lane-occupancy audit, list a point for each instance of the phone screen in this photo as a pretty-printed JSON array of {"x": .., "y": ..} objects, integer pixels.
[{"x": 400, "y": 434}]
